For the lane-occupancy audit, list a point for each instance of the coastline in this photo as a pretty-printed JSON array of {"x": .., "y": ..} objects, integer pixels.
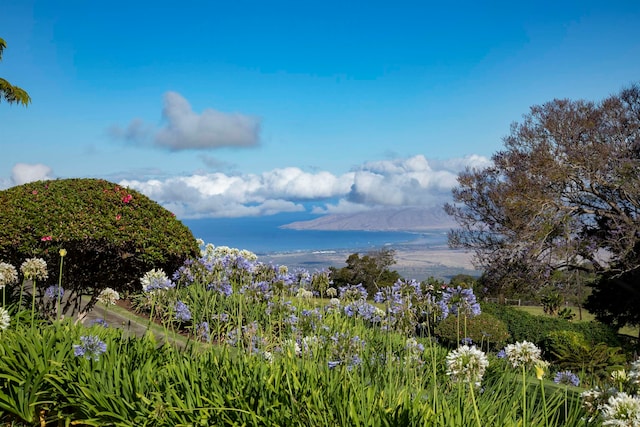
[{"x": 417, "y": 263}]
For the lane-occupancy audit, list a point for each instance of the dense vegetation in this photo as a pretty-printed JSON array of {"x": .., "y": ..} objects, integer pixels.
[
  {"x": 262, "y": 349},
  {"x": 562, "y": 196},
  {"x": 111, "y": 234}
]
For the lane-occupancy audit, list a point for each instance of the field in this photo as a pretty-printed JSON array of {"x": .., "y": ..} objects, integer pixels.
[{"x": 231, "y": 341}]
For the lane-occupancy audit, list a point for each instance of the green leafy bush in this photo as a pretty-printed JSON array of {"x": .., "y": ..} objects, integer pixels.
[
  {"x": 570, "y": 350},
  {"x": 524, "y": 326},
  {"x": 484, "y": 329},
  {"x": 112, "y": 234}
]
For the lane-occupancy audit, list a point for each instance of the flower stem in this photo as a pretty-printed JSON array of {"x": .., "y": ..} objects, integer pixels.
[
  {"x": 59, "y": 287},
  {"x": 475, "y": 405},
  {"x": 524, "y": 396}
]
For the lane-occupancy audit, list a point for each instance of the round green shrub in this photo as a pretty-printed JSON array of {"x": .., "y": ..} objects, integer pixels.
[
  {"x": 484, "y": 329},
  {"x": 112, "y": 235}
]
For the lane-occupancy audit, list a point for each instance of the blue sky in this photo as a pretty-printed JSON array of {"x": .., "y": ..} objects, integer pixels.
[{"x": 257, "y": 107}]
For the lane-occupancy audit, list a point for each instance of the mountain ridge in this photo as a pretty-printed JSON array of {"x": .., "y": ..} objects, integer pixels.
[{"x": 403, "y": 219}]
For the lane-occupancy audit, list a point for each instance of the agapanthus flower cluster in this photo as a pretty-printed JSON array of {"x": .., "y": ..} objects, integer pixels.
[
  {"x": 91, "y": 347},
  {"x": 8, "y": 274},
  {"x": 5, "y": 319},
  {"x": 34, "y": 269},
  {"x": 522, "y": 353},
  {"x": 621, "y": 410},
  {"x": 352, "y": 292},
  {"x": 344, "y": 349},
  {"x": 467, "y": 364},
  {"x": 566, "y": 378},
  {"x": 364, "y": 311},
  {"x": 154, "y": 280},
  {"x": 461, "y": 301},
  {"x": 54, "y": 291},
  {"x": 223, "y": 287},
  {"x": 108, "y": 296},
  {"x": 182, "y": 312}
]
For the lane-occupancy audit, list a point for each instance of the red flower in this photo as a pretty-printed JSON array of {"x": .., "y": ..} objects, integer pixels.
[
  {"x": 127, "y": 198},
  {"x": 118, "y": 217},
  {"x": 46, "y": 238},
  {"x": 34, "y": 192}
]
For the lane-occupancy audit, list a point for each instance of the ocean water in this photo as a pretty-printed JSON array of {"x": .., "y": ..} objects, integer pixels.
[{"x": 263, "y": 235}]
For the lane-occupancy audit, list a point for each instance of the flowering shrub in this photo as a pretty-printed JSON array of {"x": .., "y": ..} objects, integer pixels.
[{"x": 111, "y": 234}]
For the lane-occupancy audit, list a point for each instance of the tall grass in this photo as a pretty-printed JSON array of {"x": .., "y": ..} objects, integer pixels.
[{"x": 268, "y": 356}]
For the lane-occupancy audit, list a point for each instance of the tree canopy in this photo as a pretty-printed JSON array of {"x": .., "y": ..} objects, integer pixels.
[
  {"x": 370, "y": 270},
  {"x": 8, "y": 92},
  {"x": 563, "y": 194}
]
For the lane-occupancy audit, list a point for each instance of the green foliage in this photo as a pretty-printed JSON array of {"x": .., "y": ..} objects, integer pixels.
[
  {"x": 112, "y": 235},
  {"x": 370, "y": 270},
  {"x": 570, "y": 350},
  {"x": 486, "y": 330},
  {"x": 524, "y": 326},
  {"x": 615, "y": 299},
  {"x": 9, "y": 92},
  {"x": 551, "y": 302}
]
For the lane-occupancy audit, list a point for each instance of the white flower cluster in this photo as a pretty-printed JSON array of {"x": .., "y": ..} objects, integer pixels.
[
  {"x": 522, "y": 353},
  {"x": 621, "y": 410},
  {"x": 8, "y": 274},
  {"x": 614, "y": 406},
  {"x": 155, "y": 279},
  {"x": 34, "y": 268},
  {"x": 108, "y": 296},
  {"x": 467, "y": 364},
  {"x": 304, "y": 294},
  {"x": 212, "y": 252},
  {"x": 4, "y": 319}
]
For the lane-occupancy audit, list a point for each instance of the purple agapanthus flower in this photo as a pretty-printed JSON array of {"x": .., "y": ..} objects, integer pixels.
[
  {"x": 183, "y": 313},
  {"x": 100, "y": 322},
  {"x": 54, "y": 291},
  {"x": 567, "y": 378},
  {"x": 91, "y": 348}
]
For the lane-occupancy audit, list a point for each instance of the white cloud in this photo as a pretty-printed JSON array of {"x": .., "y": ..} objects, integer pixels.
[
  {"x": 413, "y": 181},
  {"x": 21, "y": 173},
  {"x": 184, "y": 129}
]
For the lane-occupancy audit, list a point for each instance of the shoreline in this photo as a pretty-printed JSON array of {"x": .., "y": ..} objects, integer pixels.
[{"x": 417, "y": 263}]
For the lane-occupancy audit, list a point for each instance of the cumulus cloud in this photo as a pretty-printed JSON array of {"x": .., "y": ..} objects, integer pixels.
[
  {"x": 184, "y": 129},
  {"x": 22, "y": 173},
  {"x": 413, "y": 181}
]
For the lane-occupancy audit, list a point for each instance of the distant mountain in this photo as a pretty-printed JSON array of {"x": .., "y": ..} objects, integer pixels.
[{"x": 405, "y": 219}]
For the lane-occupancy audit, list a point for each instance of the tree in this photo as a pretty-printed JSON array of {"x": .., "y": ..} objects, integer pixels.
[
  {"x": 371, "y": 270},
  {"x": 564, "y": 194},
  {"x": 9, "y": 92}
]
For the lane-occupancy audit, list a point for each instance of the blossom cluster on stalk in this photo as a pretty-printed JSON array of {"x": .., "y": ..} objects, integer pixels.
[
  {"x": 154, "y": 280},
  {"x": 34, "y": 269},
  {"x": 54, "y": 291},
  {"x": 91, "y": 347},
  {"x": 467, "y": 364},
  {"x": 108, "y": 296},
  {"x": 8, "y": 274},
  {"x": 522, "y": 354},
  {"x": 5, "y": 319},
  {"x": 618, "y": 404},
  {"x": 461, "y": 301},
  {"x": 566, "y": 378}
]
